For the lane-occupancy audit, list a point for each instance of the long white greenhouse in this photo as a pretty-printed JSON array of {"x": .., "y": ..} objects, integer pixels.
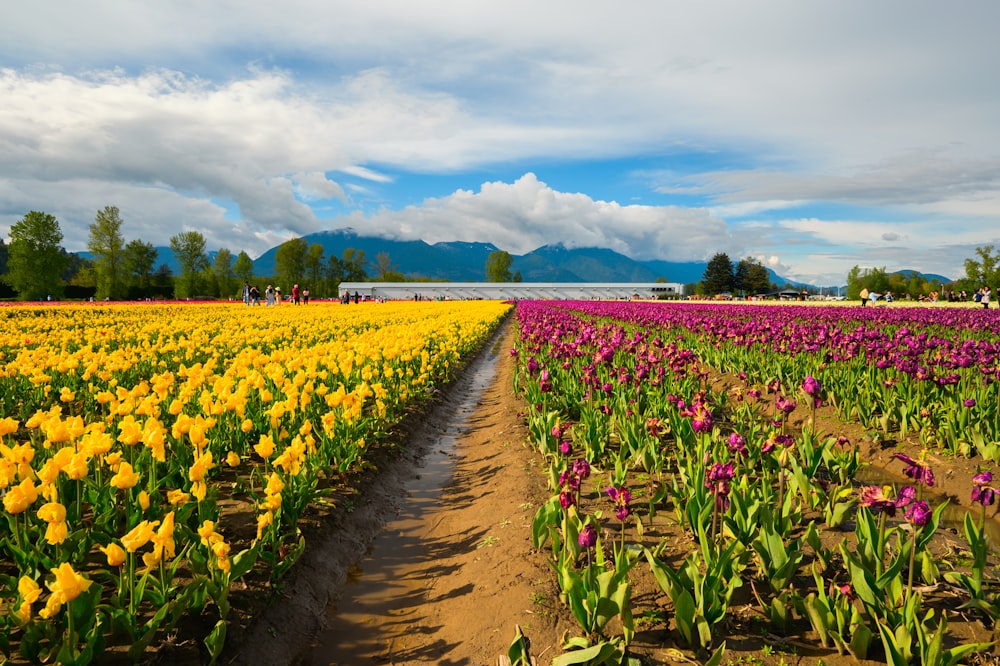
[{"x": 511, "y": 290}]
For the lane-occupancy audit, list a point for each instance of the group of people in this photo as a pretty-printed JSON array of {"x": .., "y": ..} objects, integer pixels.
[
  {"x": 982, "y": 296},
  {"x": 272, "y": 295}
]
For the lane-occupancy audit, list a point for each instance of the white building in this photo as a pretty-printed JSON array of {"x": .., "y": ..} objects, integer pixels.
[{"x": 504, "y": 291}]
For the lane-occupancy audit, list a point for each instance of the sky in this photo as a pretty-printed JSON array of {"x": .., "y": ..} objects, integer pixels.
[{"x": 811, "y": 136}]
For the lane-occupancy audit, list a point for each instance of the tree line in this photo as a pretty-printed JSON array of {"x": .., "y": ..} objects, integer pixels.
[
  {"x": 35, "y": 266},
  {"x": 747, "y": 277},
  {"x": 980, "y": 271}
]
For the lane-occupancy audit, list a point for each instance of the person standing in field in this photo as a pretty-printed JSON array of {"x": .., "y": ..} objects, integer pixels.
[
  {"x": 246, "y": 293},
  {"x": 255, "y": 295},
  {"x": 295, "y": 294},
  {"x": 269, "y": 295},
  {"x": 305, "y": 296},
  {"x": 985, "y": 298},
  {"x": 864, "y": 296}
]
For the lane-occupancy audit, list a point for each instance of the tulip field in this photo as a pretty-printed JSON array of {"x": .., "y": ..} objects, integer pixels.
[
  {"x": 762, "y": 501},
  {"x": 151, "y": 456}
]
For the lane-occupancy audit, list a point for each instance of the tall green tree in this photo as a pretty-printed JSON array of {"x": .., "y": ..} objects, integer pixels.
[
  {"x": 3, "y": 257},
  {"x": 751, "y": 277},
  {"x": 336, "y": 271},
  {"x": 107, "y": 245},
  {"x": 189, "y": 249},
  {"x": 290, "y": 263},
  {"x": 139, "y": 261},
  {"x": 36, "y": 258},
  {"x": 718, "y": 276},
  {"x": 243, "y": 267},
  {"x": 354, "y": 265},
  {"x": 498, "y": 265},
  {"x": 225, "y": 277},
  {"x": 314, "y": 269},
  {"x": 986, "y": 269}
]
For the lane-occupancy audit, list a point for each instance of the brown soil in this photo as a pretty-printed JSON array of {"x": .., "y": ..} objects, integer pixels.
[{"x": 445, "y": 578}]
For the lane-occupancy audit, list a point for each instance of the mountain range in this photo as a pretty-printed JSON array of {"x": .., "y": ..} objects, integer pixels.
[{"x": 458, "y": 261}]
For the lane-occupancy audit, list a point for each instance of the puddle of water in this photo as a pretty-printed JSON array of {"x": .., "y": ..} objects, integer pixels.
[
  {"x": 954, "y": 514},
  {"x": 388, "y": 583}
]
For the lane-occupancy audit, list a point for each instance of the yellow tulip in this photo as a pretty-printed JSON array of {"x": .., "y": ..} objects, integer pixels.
[
  {"x": 201, "y": 465},
  {"x": 76, "y": 468},
  {"x": 28, "y": 589},
  {"x": 139, "y": 535},
  {"x": 177, "y": 497},
  {"x": 207, "y": 533},
  {"x": 130, "y": 432},
  {"x": 52, "y": 512},
  {"x": 143, "y": 500},
  {"x": 265, "y": 447},
  {"x": 114, "y": 553},
  {"x": 164, "y": 537},
  {"x": 125, "y": 478},
  {"x": 55, "y": 533},
  {"x": 8, "y": 426},
  {"x": 68, "y": 583},
  {"x": 20, "y": 497},
  {"x": 23, "y": 614},
  {"x": 233, "y": 459}
]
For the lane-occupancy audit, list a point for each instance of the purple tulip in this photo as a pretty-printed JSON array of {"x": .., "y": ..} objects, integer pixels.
[
  {"x": 917, "y": 470},
  {"x": 621, "y": 497},
  {"x": 812, "y": 386},
  {"x": 736, "y": 444},
  {"x": 969, "y": 402},
  {"x": 588, "y": 537},
  {"x": 874, "y": 499},
  {"x": 918, "y": 513},
  {"x": 982, "y": 493}
]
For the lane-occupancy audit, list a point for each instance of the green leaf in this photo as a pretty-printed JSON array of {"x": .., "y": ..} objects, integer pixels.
[{"x": 216, "y": 640}]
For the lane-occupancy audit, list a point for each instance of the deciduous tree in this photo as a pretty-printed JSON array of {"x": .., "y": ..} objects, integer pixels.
[
  {"x": 290, "y": 263},
  {"x": 189, "y": 249},
  {"x": 498, "y": 266},
  {"x": 223, "y": 271},
  {"x": 243, "y": 267},
  {"x": 107, "y": 245},
  {"x": 36, "y": 258},
  {"x": 139, "y": 261}
]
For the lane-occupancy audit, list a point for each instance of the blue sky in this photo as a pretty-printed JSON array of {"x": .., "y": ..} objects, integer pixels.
[{"x": 813, "y": 136}]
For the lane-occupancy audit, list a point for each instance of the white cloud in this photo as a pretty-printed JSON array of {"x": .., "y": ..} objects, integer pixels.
[{"x": 526, "y": 214}]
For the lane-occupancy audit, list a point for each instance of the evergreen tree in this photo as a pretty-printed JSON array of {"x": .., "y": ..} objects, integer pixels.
[
  {"x": 751, "y": 278},
  {"x": 718, "y": 276},
  {"x": 36, "y": 258}
]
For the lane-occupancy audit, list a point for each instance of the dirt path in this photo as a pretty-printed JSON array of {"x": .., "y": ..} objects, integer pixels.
[{"x": 438, "y": 576}]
